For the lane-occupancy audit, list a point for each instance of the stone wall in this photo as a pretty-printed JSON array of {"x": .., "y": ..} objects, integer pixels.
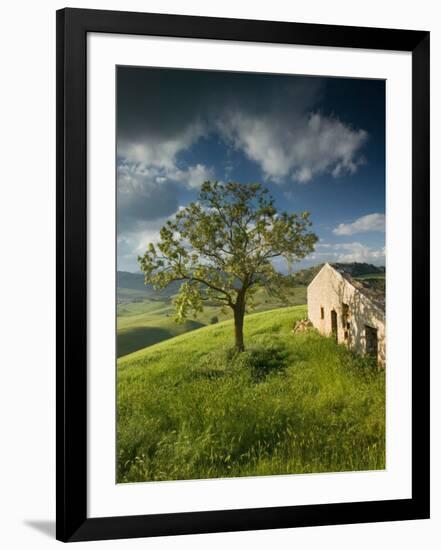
[{"x": 330, "y": 291}]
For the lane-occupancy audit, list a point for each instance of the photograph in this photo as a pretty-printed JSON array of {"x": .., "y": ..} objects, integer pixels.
[
  {"x": 221, "y": 217},
  {"x": 251, "y": 274}
]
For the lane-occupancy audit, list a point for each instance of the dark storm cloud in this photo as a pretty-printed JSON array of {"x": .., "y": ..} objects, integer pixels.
[
  {"x": 162, "y": 112},
  {"x": 161, "y": 102},
  {"x": 281, "y": 123},
  {"x": 272, "y": 119}
]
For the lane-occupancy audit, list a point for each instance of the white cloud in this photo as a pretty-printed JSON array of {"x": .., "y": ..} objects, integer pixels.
[
  {"x": 272, "y": 122},
  {"x": 370, "y": 222},
  {"x": 193, "y": 176},
  {"x": 143, "y": 195},
  {"x": 303, "y": 147},
  {"x": 357, "y": 252},
  {"x": 133, "y": 242},
  {"x": 160, "y": 151},
  {"x": 350, "y": 252},
  {"x": 148, "y": 192},
  {"x": 149, "y": 182}
]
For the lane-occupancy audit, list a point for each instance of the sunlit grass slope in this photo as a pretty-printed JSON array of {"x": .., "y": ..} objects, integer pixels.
[
  {"x": 141, "y": 324},
  {"x": 189, "y": 408},
  {"x": 146, "y": 322}
]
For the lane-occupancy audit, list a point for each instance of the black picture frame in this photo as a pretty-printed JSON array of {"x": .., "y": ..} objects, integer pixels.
[{"x": 71, "y": 428}]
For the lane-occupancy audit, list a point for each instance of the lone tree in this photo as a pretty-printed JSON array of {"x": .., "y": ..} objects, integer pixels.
[{"x": 222, "y": 249}]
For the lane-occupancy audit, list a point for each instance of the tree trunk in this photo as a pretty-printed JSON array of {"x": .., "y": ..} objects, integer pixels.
[{"x": 239, "y": 313}]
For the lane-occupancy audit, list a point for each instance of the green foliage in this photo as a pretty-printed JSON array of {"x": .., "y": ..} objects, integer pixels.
[
  {"x": 221, "y": 248},
  {"x": 193, "y": 408},
  {"x": 214, "y": 320},
  {"x": 377, "y": 283}
]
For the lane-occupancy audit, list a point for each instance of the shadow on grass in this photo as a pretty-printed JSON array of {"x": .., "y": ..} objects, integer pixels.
[
  {"x": 264, "y": 362},
  {"x": 141, "y": 337}
]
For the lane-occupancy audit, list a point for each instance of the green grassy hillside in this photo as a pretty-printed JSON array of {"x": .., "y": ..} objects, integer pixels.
[
  {"x": 141, "y": 324},
  {"x": 146, "y": 316},
  {"x": 146, "y": 322},
  {"x": 189, "y": 408}
]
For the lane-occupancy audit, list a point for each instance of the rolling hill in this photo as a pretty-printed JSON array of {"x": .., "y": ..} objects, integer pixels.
[
  {"x": 147, "y": 321},
  {"x": 190, "y": 408},
  {"x": 146, "y": 316},
  {"x": 131, "y": 287}
]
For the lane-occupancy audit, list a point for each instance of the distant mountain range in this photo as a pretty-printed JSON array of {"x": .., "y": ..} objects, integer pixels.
[
  {"x": 131, "y": 285},
  {"x": 135, "y": 281},
  {"x": 355, "y": 269}
]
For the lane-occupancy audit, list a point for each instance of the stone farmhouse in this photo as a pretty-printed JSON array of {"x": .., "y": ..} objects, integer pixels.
[{"x": 348, "y": 310}]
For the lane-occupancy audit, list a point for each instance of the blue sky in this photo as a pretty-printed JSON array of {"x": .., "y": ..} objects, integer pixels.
[{"x": 318, "y": 144}]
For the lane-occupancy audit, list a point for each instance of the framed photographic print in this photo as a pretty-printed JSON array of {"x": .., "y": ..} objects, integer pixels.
[{"x": 242, "y": 275}]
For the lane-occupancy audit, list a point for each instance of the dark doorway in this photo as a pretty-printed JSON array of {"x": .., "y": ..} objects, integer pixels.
[
  {"x": 371, "y": 341},
  {"x": 334, "y": 324}
]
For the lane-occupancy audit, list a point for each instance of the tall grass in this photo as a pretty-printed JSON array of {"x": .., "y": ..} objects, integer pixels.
[{"x": 190, "y": 408}]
